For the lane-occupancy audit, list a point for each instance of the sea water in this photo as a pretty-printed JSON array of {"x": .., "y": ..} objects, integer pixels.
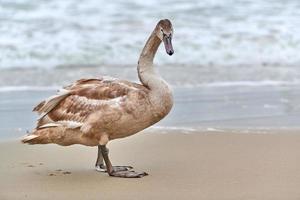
[{"x": 47, "y": 34}]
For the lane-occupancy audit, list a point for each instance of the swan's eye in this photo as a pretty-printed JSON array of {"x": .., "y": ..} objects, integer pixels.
[{"x": 162, "y": 30}]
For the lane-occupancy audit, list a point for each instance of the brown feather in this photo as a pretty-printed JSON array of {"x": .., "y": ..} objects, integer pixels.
[{"x": 87, "y": 96}]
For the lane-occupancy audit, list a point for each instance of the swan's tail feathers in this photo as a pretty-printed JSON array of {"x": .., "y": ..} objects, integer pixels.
[
  {"x": 53, "y": 134},
  {"x": 41, "y": 136},
  {"x": 29, "y": 139},
  {"x": 46, "y": 106}
]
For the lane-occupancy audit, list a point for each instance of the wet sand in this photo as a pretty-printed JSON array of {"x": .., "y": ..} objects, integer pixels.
[{"x": 181, "y": 166}]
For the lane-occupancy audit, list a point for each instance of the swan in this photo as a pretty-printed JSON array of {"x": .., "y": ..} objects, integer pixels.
[{"x": 94, "y": 111}]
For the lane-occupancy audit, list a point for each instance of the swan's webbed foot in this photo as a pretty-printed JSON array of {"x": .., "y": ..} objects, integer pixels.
[
  {"x": 127, "y": 174},
  {"x": 115, "y": 171},
  {"x": 102, "y": 168}
]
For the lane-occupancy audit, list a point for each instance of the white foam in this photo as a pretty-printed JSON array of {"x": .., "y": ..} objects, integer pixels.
[
  {"x": 219, "y": 32},
  {"x": 176, "y": 128},
  {"x": 214, "y": 129}
]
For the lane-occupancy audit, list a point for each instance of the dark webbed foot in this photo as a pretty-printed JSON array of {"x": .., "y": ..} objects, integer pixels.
[
  {"x": 115, "y": 171},
  {"x": 128, "y": 174},
  {"x": 102, "y": 168}
]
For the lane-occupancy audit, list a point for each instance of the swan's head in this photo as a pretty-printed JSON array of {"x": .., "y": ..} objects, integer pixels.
[{"x": 164, "y": 32}]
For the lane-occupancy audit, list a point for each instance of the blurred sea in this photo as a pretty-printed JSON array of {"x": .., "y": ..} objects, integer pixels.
[{"x": 215, "y": 41}]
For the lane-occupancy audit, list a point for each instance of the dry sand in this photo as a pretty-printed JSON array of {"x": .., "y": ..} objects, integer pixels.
[{"x": 181, "y": 166}]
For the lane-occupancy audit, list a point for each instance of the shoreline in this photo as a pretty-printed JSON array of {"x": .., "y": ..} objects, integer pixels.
[
  {"x": 193, "y": 166},
  {"x": 161, "y": 130}
]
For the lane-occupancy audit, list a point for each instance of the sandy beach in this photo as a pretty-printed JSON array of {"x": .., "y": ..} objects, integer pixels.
[{"x": 192, "y": 166}]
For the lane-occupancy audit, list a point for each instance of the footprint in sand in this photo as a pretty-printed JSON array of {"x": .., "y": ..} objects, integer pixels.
[
  {"x": 59, "y": 172},
  {"x": 30, "y": 165}
]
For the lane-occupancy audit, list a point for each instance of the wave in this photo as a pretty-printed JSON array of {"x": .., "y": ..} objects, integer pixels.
[{"x": 56, "y": 33}]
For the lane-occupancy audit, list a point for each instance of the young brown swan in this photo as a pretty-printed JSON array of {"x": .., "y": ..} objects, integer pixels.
[{"x": 94, "y": 111}]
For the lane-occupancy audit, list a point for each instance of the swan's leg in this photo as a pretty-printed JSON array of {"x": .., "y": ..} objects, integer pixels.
[
  {"x": 112, "y": 172},
  {"x": 100, "y": 167}
]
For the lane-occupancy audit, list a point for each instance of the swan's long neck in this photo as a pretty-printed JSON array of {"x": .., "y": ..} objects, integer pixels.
[
  {"x": 160, "y": 94},
  {"x": 146, "y": 72}
]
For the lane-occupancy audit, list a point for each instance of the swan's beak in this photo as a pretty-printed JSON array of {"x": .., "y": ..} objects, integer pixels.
[{"x": 168, "y": 44}]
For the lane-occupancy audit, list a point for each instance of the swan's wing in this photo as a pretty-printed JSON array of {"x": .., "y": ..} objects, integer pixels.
[{"x": 71, "y": 106}]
